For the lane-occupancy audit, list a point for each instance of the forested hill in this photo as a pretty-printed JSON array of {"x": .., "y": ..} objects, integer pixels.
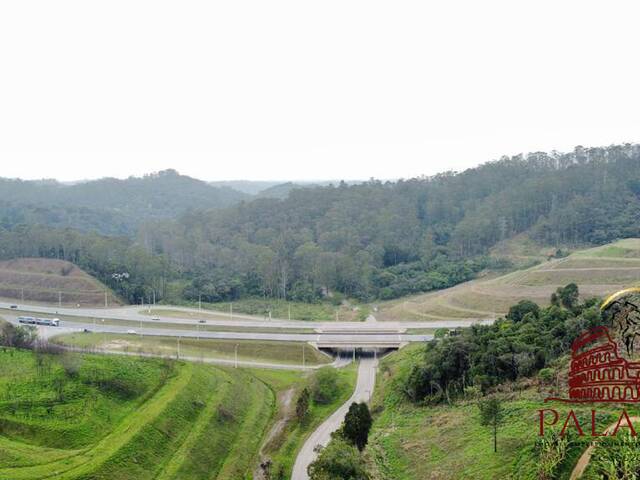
[
  {"x": 109, "y": 205},
  {"x": 371, "y": 240}
]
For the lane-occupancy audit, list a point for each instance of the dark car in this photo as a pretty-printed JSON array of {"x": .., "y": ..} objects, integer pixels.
[
  {"x": 202, "y": 321},
  {"x": 13, "y": 306}
]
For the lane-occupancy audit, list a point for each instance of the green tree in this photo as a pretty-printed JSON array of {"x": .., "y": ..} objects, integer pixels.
[
  {"x": 568, "y": 295},
  {"x": 520, "y": 309},
  {"x": 324, "y": 385},
  {"x": 492, "y": 414},
  {"x": 338, "y": 461},
  {"x": 357, "y": 424},
  {"x": 302, "y": 405}
]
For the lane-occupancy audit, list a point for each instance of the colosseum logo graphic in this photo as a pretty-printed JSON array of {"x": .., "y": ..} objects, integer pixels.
[{"x": 603, "y": 368}]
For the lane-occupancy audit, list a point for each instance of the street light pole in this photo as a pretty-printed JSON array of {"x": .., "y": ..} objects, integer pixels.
[{"x": 236, "y": 356}]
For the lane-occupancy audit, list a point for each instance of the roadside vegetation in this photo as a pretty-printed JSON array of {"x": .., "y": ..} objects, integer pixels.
[
  {"x": 79, "y": 416},
  {"x": 287, "y": 353},
  {"x": 68, "y": 415},
  {"x": 325, "y": 390},
  {"x": 465, "y": 405}
]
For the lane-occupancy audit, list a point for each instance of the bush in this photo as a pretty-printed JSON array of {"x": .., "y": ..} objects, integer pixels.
[
  {"x": 338, "y": 461},
  {"x": 324, "y": 385}
]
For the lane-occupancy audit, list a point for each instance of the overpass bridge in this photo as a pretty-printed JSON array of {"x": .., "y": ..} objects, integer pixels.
[{"x": 364, "y": 337}]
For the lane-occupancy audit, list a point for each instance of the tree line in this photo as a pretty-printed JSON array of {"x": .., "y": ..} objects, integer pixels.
[{"x": 374, "y": 240}]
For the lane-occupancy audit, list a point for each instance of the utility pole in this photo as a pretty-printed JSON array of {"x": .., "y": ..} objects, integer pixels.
[
  {"x": 231, "y": 310},
  {"x": 289, "y": 312},
  {"x": 59, "y": 299},
  {"x": 199, "y": 301},
  {"x": 154, "y": 297},
  {"x": 303, "y": 359},
  {"x": 106, "y": 299},
  {"x": 354, "y": 354},
  {"x": 178, "y": 352},
  {"x": 236, "y": 356},
  {"x": 22, "y": 294}
]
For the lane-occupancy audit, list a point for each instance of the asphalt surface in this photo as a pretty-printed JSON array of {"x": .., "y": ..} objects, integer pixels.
[
  {"x": 339, "y": 340},
  {"x": 322, "y": 435},
  {"x": 133, "y": 313}
]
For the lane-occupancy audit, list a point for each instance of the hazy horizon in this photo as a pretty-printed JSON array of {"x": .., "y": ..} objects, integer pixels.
[{"x": 290, "y": 90}]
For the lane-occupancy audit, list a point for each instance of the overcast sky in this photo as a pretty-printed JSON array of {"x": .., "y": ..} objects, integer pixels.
[{"x": 308, "y": 90}]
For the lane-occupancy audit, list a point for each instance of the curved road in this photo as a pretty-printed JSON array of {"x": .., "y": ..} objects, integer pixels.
[{"x": 322, "y": 435}]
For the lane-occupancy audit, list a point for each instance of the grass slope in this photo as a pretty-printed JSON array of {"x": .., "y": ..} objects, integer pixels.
[
  {"x": 597, "y": 272},
  {"x": 41, "y": 280},
  {"x": 287, "y": 353},
  {"x": 100, "y": 417},
  {"x": 448, "y": 442}
]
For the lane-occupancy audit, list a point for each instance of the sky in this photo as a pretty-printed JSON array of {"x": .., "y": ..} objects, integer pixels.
[{"x": 301, "y": 90}]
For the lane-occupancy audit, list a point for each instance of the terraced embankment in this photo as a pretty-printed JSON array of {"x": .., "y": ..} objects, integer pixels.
[
  {"x": 597, "y": 272},
  {"x": 90, "y": 417}
]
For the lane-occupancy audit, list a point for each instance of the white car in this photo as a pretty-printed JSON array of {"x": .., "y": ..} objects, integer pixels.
[{"x": 131, "y": 332}]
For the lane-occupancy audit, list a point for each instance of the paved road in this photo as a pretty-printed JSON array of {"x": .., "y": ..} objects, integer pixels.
[
  {"x": 133, "y": 313},
  {"x": 322, "y": 435},
  {"x": 345, "y": 339}
]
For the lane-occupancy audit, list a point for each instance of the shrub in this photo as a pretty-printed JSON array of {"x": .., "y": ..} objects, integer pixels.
[{"x": 324, "y": 385}]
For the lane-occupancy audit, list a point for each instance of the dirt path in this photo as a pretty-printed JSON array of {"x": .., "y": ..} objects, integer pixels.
[
  {"x": 585, "y": 458},
  {"x": 285, "y": 400}
]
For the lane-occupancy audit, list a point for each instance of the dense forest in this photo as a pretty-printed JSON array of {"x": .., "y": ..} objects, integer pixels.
[
  {"x": 109, "y": 206},
  {"x": 370, "y": 240}
]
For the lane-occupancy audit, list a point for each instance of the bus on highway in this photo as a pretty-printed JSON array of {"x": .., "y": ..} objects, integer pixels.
[{"x": 50, "y": 322}]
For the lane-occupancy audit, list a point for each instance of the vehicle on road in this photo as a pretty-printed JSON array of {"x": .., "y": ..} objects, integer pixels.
[
  {"x": 27, "y": 320},
  {"x": 202, "y": 321},
  {"x": 49, "y": 322},
  {"x": 155, "y": 318},
  {"x": 13, "y": 306},
  {"x": 131, "y": 332}
]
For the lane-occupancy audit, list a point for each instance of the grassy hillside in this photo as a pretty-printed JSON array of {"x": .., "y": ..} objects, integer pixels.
[
  {"x": 47, "y": 280},
  {"x": 597, "y": 271},
  {"x": 94, "y": 417},
  {"x": 448, "y": 442}
]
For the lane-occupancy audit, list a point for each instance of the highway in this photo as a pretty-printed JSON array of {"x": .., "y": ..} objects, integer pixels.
[
  {"x": 140, "y": 314},
  {"x": 321, "y": 436},
  {"x": 344, "y": 339}
]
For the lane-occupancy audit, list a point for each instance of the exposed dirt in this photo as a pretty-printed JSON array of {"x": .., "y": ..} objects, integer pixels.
[
  {"x": 50, "y": 281},
  {"x": 285, "y": 403}
]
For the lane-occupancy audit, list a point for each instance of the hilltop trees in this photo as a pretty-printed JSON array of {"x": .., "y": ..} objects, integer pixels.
[{"x": 372, "y": 240}]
